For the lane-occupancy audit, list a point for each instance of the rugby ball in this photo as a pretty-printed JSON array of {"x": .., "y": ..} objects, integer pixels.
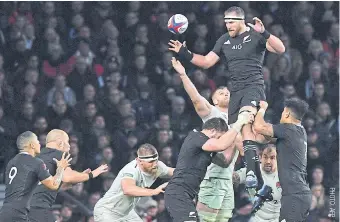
[{"x": 178, "y": 24}]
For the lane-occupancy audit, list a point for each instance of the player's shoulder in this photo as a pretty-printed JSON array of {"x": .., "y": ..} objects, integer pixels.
[
  {"x": 48, "y": 153},
  {"x": 161, "y": 164},
  {"x": 196, "y": 138},
  {"x": 131, "y": 167},
  {"x": 225, "y": 36}
]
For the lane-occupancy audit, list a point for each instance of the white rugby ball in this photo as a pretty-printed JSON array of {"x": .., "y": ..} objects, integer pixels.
[{"x": 178, "y": 24}]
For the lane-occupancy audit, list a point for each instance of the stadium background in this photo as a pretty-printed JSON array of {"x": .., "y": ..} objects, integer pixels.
[{"x": 101, "y": 71}]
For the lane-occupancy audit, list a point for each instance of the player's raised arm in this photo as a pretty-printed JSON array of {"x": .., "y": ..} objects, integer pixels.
[
  {"x": 274, "y": 44},
  {"x": 260, "y": 126},
  {"x": 202, "y": 106},
  {"x": 72, "y": 176},
  {"x": 226, "y": 140},
  {"x": 53, "y": 183},
  {"x": 205, "y": 62}
]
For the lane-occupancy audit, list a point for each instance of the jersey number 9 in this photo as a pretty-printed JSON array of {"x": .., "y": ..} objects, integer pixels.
[{"x": 12, "y": 173}]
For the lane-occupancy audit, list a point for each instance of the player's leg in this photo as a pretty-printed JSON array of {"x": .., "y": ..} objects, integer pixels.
[
  {"x": 226, "y": 210},
  {"x": 181, "y": 208},
  {"x": 245, "y": 101},
  {"x": 210, "y": 198},
  {"x": 249, "y": 103}
]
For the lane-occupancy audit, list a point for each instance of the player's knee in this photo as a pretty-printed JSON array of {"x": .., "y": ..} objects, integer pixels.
[
  {"x": 248, "y": 133},
  {"x": 224, "y": 215}
]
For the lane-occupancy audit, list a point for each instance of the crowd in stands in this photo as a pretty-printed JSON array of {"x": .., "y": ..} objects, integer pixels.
[{"x": 101, "y": 71}]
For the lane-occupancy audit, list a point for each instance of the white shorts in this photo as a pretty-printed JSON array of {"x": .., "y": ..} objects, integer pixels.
[{"x": 104, "y": 215}]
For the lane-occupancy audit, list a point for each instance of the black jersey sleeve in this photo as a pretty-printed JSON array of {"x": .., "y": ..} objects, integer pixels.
[
  {"x": 41, "y": 170},
  {"x": 219, "y": 43},
  {"x": 200, "y": 140},
  {"x": 281, "y": 131}
]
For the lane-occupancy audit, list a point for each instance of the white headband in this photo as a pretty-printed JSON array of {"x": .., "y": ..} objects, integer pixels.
[
  {"x": 149, "y": 158},
  {"x": 232, "y": 18}
]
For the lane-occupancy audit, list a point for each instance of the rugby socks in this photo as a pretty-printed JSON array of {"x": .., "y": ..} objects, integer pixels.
[{"x": 253, "y": 164}]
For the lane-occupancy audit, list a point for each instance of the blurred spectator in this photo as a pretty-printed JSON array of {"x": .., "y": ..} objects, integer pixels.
[{"x": 60, "y": 86}]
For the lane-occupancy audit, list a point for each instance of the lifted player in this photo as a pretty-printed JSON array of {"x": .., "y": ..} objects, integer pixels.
[
  {"x": 244, "y": 49},
  {"x": 292, "y": 158},
  {"x": 23, "y": 173}
]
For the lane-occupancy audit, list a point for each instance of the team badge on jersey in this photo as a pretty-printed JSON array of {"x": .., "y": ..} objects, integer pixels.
[{"x": 278, "y": 186}]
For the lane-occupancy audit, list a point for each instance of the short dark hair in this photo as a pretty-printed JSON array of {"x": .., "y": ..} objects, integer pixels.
[
  {"x": 218, "y": 124},
  {"x": 298, "y": 107},
  {"x": 24, "y": 139},
  {"x": 239, "y": 11}
]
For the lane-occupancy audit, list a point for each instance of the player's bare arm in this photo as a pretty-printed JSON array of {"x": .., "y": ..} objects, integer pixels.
[
  {"x": 130, "y": 188},
  {"x": 171, "y": 171},
  {"x": 72, "y": 176},
  {"x": 53, "y": 183},
  {"x": 202, "y": 106},
  {"x": 227, "y": 139},
  {"x": 224, "y": 158},
  {"x": 260, "y": 126},
  {"x": 274, "y": 44},
  {"x": 204, "y": 62}
]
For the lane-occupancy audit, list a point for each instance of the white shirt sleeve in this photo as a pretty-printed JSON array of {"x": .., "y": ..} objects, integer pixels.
[
  {"x": 130, "y": 172},
  {"x": 163, "y": 169}
]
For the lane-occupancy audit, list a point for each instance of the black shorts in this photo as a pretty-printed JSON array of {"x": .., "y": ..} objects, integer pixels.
[
  {"x": 249, "y": 96},
  {"x": 13, "y": 215},
  {"x": 180, "y": 207},
  {"x": 41, "y": 215},
  {"x": 295, "y": 208}
]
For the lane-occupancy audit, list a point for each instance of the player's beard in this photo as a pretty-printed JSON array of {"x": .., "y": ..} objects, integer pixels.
[
  {"x": 153, "y": 171},
  {"x": 223, "y": 103}
]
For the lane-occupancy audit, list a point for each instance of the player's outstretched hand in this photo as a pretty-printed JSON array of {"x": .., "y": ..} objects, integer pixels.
[
  {"x": 176, "y": 45},
  {"x": 64, "y": 162},
  {"x": 259, "y": 27},
  {"x": 178, "y": 66},
  {"x": 101, "y": 169},
  {"x": 263, "y": 105},
  {"x": 160, "y": 189},
  {"x": 245, "y": 118}
]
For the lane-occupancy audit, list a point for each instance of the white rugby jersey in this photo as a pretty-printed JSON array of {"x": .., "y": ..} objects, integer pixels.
[
  {"x": 270, "y": 211},
  {"x": 115, "y": 200}
]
